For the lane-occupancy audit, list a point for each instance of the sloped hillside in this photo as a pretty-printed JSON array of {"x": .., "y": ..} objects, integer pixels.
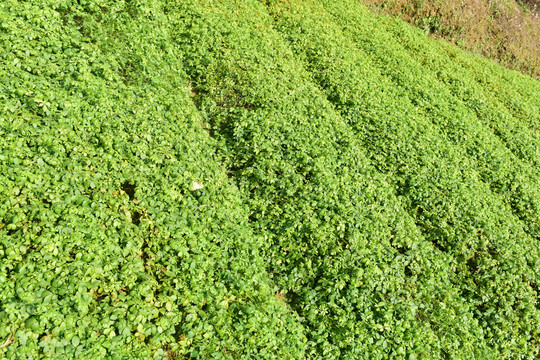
[
  {"x": 243, "y": 179},
  {"x": 506, "y": 31}
]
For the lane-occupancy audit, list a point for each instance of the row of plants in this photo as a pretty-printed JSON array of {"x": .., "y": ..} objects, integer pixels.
[
  {"x": 415, "y": 132},
  {"x": 341, "y": 248},
  {"x": 467, "y": 118},
  {"x": 224, "y": 105},
  {"x": 503, "y": 146},
  {"x": 260, "y": 179},
  {"x": 121, "y": 236},
  {"x": 505, "y": 101}
]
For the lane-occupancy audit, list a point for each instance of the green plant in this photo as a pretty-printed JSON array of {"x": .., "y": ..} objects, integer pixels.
[{"x": 261, "y": 179}]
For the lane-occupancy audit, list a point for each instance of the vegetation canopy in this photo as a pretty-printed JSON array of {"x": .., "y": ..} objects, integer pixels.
[{"x": 261, "y": 180}]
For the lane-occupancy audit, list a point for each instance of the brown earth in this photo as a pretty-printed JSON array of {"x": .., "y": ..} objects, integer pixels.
[{"x": 505, "y": 31}]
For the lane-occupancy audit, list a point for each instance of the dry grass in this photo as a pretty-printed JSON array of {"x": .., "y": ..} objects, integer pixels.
[{"x": 503, "y": 30}]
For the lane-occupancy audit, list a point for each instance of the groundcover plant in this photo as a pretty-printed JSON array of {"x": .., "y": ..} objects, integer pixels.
[{"x": 261, "y": 180}]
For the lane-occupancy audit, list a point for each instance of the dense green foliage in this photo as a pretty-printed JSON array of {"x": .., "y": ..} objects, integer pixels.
[{"x": 261, "y": 179}]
